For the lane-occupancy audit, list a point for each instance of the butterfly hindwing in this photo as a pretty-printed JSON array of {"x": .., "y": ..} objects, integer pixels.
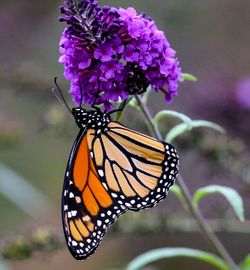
[
  {"x": 137, "y": 170},
  {"x": 87, "y": 207}
]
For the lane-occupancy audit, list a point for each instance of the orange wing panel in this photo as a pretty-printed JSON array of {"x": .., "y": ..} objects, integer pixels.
[
  {"x": 99, "y": 191},
  {"x": 80, "y": 171},
  {"x": 90, "y": 202}
]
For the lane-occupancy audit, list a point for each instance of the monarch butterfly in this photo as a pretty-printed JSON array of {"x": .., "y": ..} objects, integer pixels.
[{"x": 111, "y": 169}]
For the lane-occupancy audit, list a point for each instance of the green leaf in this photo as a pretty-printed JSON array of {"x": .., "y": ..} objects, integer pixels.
[
  {"x": 146, "y": 95},
  {"x": 177, "y": 192},
  {"x": 167, "y": 113},
  {"x": 188, "y": 77},
  {"x": 245, "y": 265},
  {"x": 176, "y": 132},
  {"x": 230, "y": 194},
  {"x": 144, "y": 99},
  {"x": 168, "y": 253},
  {"x": 118, "y": 114},
  {"x": 184, "y": 127},
  {"x": 19, "y": 250},
  {"x": 133, "y": 103}
]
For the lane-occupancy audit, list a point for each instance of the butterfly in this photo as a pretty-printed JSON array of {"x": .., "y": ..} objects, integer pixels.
[{"x": 111, "y": 169}]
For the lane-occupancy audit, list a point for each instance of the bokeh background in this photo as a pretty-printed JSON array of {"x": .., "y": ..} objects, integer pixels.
[{"x": 36, "y": 133}]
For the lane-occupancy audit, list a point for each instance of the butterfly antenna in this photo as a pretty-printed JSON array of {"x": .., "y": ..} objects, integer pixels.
[{"x": 60, "y": 96}]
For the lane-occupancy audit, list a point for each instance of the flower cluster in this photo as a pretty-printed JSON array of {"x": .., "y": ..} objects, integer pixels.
[{"x": 110, "y": 53}]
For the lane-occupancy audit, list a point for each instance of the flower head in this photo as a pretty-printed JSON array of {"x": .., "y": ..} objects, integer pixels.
[
  {"x": 110, "y": 53},
  {"x": 242, "y": 93}
]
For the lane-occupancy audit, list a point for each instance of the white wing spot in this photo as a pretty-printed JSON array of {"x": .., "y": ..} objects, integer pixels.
[
  {"x": 101, "y": 173},
  {"x": 105, "y": 186},
  {"x": 128, "y": 204},
  {"x": 99, "y": 223},
  {"x": 74, "y": 243}
]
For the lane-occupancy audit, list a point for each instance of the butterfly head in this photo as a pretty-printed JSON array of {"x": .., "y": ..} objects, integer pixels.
[{"x": 90, "y": 118}]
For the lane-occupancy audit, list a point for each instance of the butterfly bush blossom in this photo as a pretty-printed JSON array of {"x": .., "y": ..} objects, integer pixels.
[{"x": 109, "y": 53}]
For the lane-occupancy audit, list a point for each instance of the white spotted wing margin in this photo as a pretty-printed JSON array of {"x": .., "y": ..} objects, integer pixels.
[
  {"x": 72, "y": 212},
  {"x": 136, "y": 169}
]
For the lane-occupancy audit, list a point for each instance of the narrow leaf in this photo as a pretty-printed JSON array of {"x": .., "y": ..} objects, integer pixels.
[
  {"x": 176, "y": 132},
  {"x": 169, "y": 253},
  {"x": 146, "y": 95},
  {"x": 177, "y": 192},
  {"x": 118, "y": 114},
  {"x": 188, "y": 77},
  {"x": 245, "y": 265},
  {"x": 208, "y": 124},
  {"x": 167, "y": 113},
  {"x": 144, "y": 99},
  {"x": 23, "y": 194},
  {"x": 184, "y": 127},
  {"x": 232, "y": 196},
  {"x": 133, "y": 103}
]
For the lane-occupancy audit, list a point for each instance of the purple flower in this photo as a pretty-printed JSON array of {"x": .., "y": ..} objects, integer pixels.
[
  {"x": 242, "y": 92},
  {"x": 131, "y": 54},
  {"x": 117, "y": 45},
  {"x": 111, "y": 69},
  {"x": 109, "y": 54},
  {"x": 104, "y": 53}
]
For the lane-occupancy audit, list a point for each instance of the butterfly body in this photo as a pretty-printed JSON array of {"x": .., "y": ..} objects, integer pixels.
[
  {"x": 111, "y": 169},
  {"x": 90, "y": 118}
]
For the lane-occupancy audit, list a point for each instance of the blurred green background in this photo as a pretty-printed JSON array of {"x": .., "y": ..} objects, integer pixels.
[{"x": 36, "y": 133}]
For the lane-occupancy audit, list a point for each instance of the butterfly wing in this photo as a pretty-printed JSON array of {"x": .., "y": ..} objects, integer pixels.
[
  {"x": 135, "y": 169},
  {"x": 87, "y": 208},
  {"x": 108, "y": 173}
]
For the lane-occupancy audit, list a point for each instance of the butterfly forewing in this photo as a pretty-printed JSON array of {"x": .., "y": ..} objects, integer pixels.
[{"x": 87, "y": 207}]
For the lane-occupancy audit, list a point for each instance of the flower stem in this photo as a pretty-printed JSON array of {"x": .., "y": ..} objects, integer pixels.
[
  {"x": 205, "y": 227},
  {"x": 153, "y": 130}
]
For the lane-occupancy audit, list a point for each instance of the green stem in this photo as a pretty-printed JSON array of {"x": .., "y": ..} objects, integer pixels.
[
  {"x": 205, "y": 228},
  {"x": 153, "y": 130}
]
